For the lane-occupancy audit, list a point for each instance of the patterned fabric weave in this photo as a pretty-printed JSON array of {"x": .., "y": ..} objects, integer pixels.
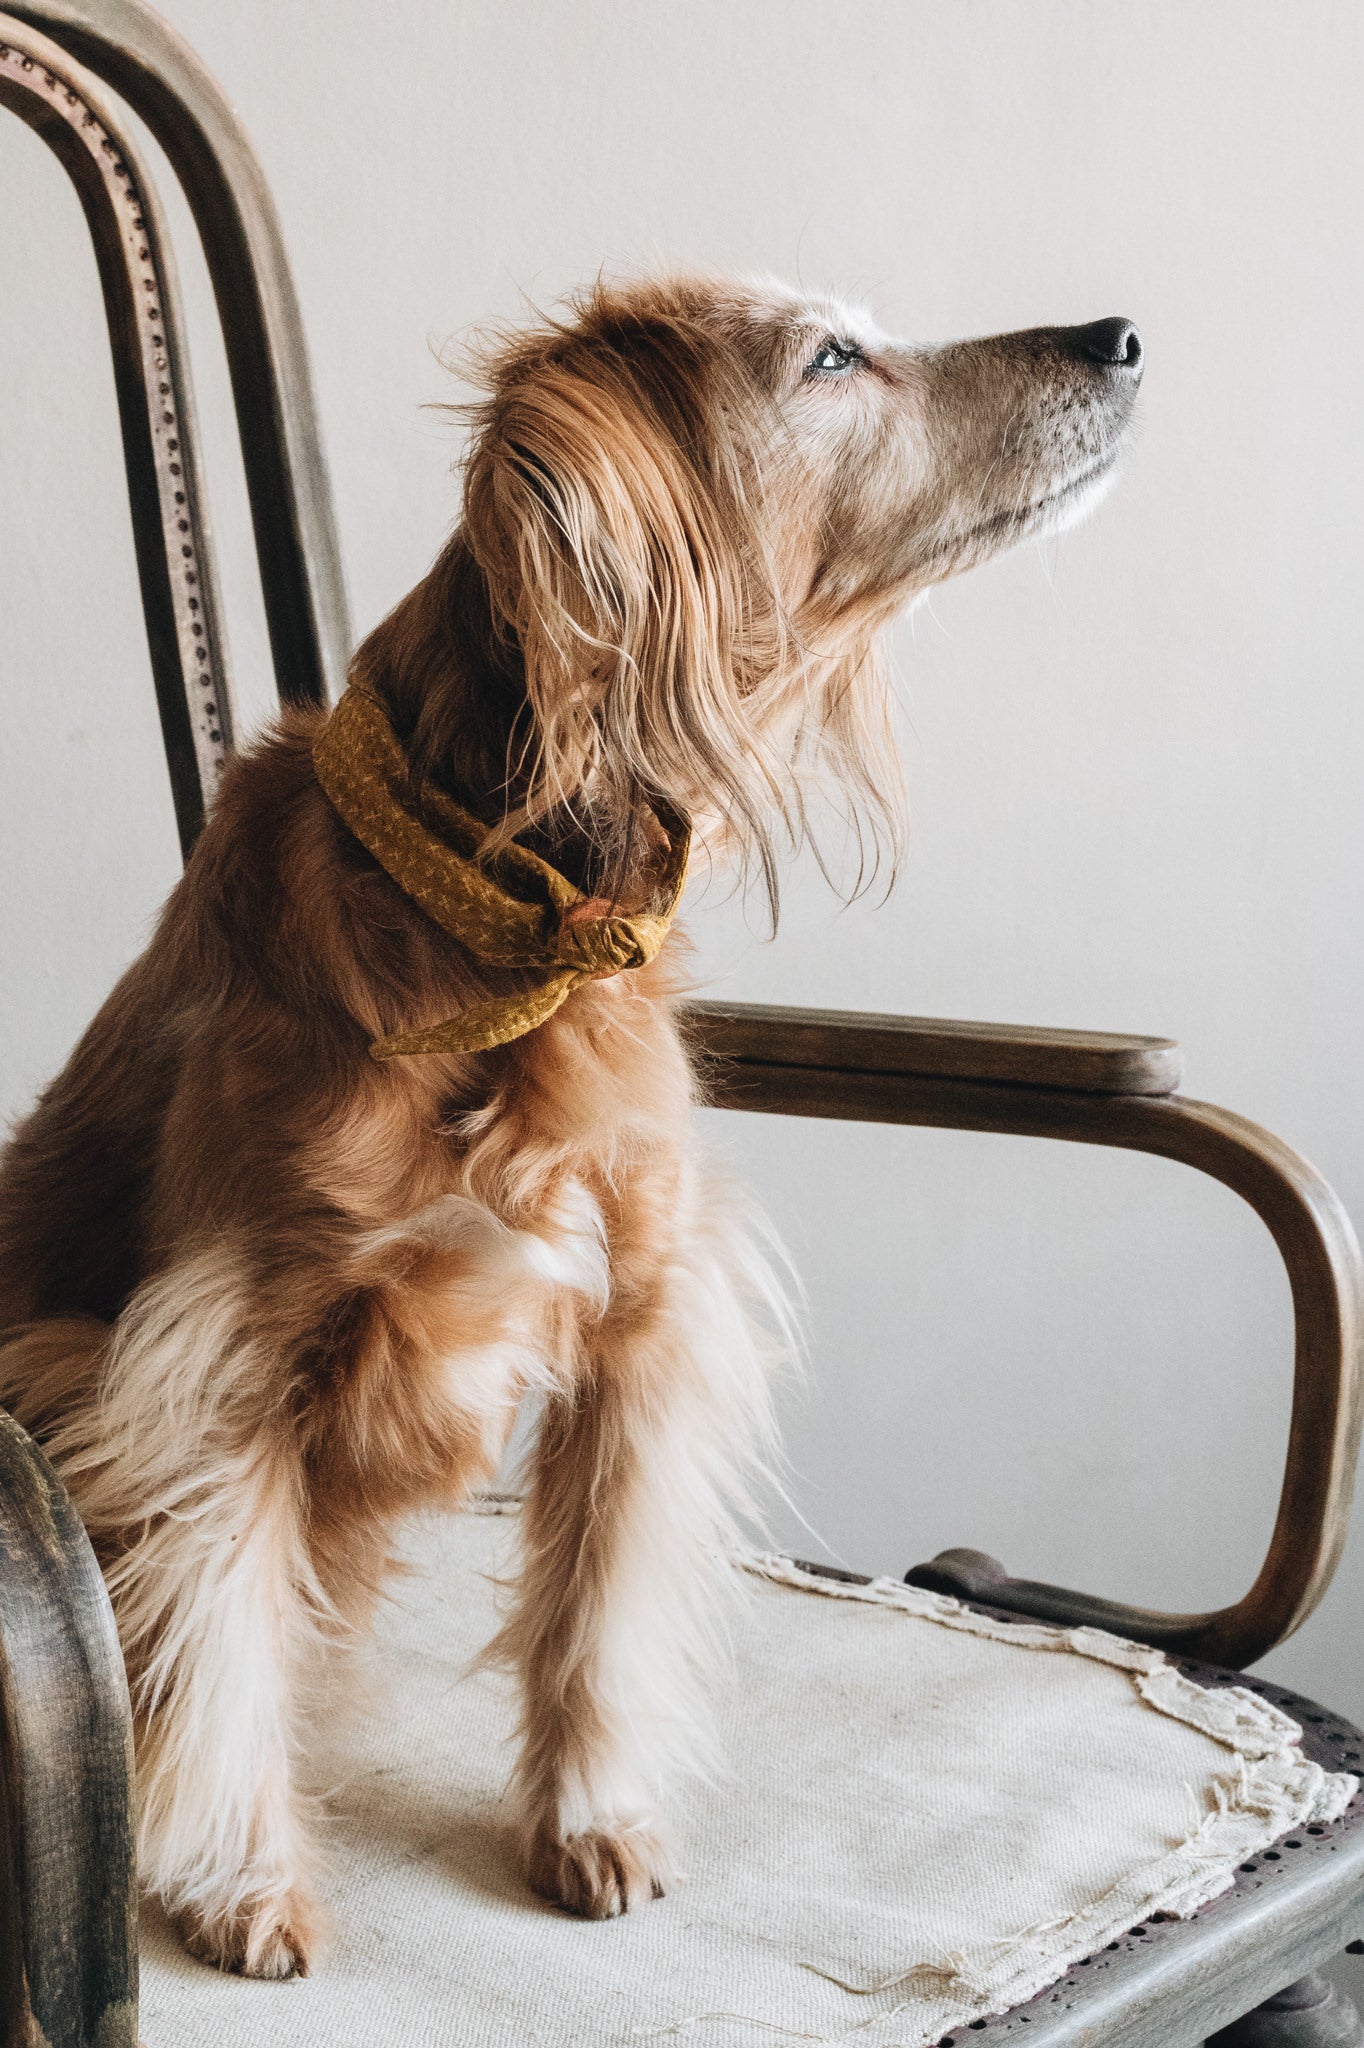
[{"x": 505, "y": 905}]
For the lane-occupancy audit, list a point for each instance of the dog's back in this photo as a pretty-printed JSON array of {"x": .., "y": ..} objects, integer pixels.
[
  {"x": 74, "y": 1181},
  {"x": 79, "y": 1179}
]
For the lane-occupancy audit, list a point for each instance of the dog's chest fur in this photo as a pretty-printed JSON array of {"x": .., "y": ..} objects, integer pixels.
[
  {"x": 403, "y": 1247},
  {"x": 494, "y": 1222}
]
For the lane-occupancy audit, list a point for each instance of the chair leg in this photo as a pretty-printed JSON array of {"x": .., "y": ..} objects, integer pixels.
[
  {"x": 68, "y": 1894},
  {"x": 1309, "y": 2014}
]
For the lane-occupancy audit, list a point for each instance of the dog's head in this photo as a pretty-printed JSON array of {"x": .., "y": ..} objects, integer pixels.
[{"x": 694, "y": 505}]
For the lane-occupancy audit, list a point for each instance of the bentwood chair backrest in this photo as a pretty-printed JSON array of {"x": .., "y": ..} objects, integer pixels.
[{"x": 53, "y": 56}]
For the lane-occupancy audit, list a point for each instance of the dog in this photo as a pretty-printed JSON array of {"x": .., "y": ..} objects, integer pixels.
[{"x": 287, "y": 1242}]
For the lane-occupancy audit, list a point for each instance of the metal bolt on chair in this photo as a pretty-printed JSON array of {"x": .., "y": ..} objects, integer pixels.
[{"x": 1240, "y": 1969}]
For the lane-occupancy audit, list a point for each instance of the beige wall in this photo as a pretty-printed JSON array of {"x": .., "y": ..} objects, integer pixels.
[{"x": 1135, "y": 754}]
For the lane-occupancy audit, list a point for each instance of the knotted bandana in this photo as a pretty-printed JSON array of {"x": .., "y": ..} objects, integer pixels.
[{"x": 505, "y": 905}]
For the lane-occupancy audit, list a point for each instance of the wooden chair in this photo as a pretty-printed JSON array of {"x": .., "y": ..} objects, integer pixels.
[{"x": 68, "y": 1908}]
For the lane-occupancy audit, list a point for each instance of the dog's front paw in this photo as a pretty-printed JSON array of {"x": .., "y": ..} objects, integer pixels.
[
  {"x": 602, "y": 1871},
  {"x": 274, "y": 1937}
]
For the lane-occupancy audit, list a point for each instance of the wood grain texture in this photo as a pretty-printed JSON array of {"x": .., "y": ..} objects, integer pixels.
[
  {"x": 68, "y": 1894},
  {"x": 1308, "y": 1224},
  {"x": 59, "y": 100},
  {"x": 868, "y": 1043},
  {"x": 130, "y": 47}
]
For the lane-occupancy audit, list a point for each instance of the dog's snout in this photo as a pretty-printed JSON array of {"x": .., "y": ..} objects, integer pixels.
[{"x": 1115, "y": 343}]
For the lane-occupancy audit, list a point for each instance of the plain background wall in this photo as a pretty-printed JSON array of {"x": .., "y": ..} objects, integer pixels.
[{"x": 1135, "y": 754}]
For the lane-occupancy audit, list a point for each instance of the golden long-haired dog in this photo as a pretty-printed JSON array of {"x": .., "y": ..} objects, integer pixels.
[{"x": 262, "y": 1294}]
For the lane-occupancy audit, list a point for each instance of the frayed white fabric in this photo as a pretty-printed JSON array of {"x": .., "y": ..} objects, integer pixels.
[{"x": 924, "y": 1817}]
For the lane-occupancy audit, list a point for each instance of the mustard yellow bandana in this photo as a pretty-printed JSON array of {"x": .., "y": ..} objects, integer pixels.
[{"x": 506, "y": 906}]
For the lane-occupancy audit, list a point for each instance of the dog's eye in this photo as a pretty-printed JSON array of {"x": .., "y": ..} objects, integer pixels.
[{"x": 833, "y": 356}]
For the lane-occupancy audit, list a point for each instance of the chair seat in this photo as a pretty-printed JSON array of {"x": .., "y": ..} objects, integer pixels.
[{"x": 924, "y": 1816}]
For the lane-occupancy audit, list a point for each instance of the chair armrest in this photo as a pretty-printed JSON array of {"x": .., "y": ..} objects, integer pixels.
[
  {"x": 1117, "y": 1091},
  {"x": 68, "y": 1896},
  {"x": 1103, "y": 1062}
]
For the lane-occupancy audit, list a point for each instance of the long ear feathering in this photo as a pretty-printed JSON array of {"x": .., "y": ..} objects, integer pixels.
[
  {"x": 614, "y": 506},
  {"x": 847, "y": 746},
  {"x": 634, "y": 508}
]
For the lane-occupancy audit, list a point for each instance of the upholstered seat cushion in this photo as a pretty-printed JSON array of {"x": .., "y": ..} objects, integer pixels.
[{"x": 924, "y": 1816}]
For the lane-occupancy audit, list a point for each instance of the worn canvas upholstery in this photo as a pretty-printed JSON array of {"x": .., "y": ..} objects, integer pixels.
[{"x": 923, "y": 1817}]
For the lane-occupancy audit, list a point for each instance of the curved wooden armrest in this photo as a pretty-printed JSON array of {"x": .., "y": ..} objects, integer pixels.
[
  {"x": 1098, "y": 1090},
  {"x": 68, "y": 1895},
  {"x": 865, "y": 1042}
]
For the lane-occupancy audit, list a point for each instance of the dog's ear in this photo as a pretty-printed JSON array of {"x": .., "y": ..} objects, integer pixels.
[{"x": 613, "y": 502}]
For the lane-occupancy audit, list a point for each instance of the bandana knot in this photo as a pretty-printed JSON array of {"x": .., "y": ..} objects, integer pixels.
[{"x": 502, "y": 903}]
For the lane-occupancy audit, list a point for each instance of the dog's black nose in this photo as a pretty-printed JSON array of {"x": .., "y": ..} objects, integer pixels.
[{"x": 1115, "y": 343}]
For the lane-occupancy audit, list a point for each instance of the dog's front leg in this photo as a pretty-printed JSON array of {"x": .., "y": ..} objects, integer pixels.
[
  {"x": 639, "y": 1466},
  {"x": 221, "y": 1620},
  {"x": 183, "y": 1471}
]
